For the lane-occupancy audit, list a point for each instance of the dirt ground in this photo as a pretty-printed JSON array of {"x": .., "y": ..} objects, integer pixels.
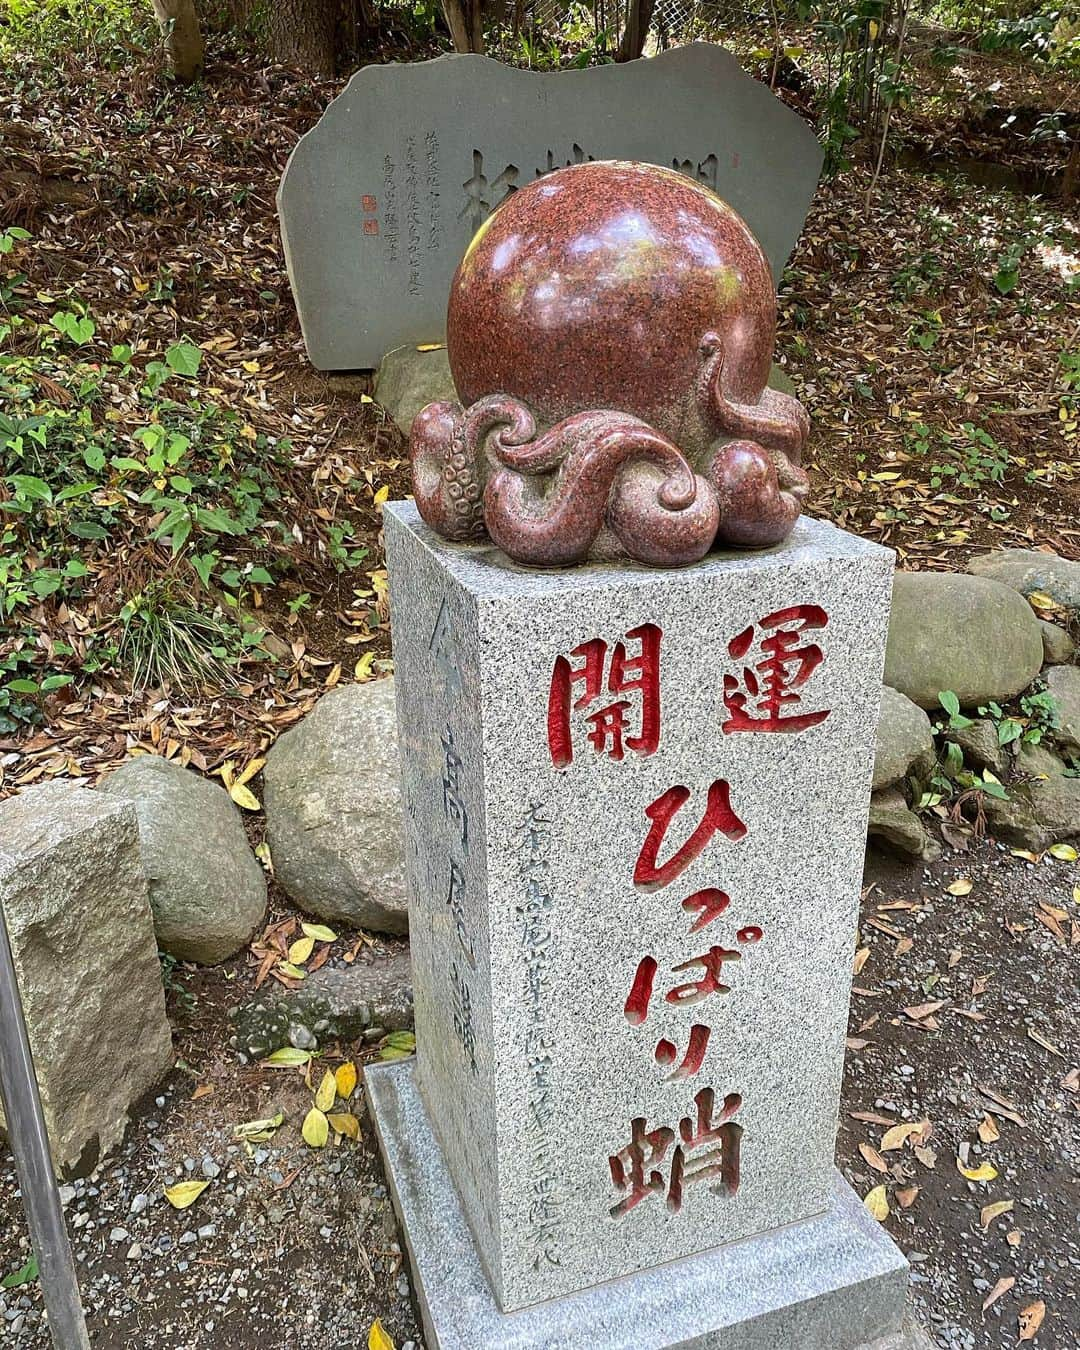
[{"x": 964, "y": 1014}]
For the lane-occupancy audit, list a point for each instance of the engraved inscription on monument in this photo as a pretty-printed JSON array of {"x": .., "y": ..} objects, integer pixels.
[{"x": 380, "y": 199}]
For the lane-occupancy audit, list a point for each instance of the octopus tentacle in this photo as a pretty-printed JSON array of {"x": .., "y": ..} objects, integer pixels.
[
  {"x": 447, "y": 472},
  {"x": 760, "y": 493},
  {"x": 607, "y": 468},
  {"x": 777, "y": 421}
]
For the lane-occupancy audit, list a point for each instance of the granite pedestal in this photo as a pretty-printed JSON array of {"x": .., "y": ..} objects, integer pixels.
[{"x": 636, "y": 805}]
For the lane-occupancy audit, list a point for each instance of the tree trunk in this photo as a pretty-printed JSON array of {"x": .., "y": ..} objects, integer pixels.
[
  {"x": 1071, "y": 186},
  {"x": 303, "y": 33},
  {"x": 183, "y": 38},
  {"x": 638, "y": 18},
  {"x": 465, "y": 19}
]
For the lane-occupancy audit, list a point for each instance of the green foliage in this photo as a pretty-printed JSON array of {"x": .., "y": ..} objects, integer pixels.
[
  {"x": 102, "y": 32},
  {"x": 968, "y": 458},
  {"x": 26, "y": 1274},
  {"x": 175, "y": 987},
  {"x": 173, "y": 477}
]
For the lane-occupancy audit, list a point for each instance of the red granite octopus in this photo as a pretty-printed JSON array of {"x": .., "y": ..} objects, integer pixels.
[{"x": 610, "y": 333}]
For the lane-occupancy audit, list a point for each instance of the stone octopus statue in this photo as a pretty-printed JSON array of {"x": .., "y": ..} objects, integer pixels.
[{"x": 610, "y": 333}]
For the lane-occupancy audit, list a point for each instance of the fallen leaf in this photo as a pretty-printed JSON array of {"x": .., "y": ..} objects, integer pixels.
[
  {"x": 1002, "y": 1287},
  {"x": 1040, "y": 1039},
  {"x": 324, "y": 1098},
  {"x": 300, "y": 950},
  {"x": 382, "y": 494},
  {"x": 870, "y": 1117},
  {"x": 1040, "y": 600},
  {"x": 984, "y": 1172},
  {"x": 898, "y": 1136},
  {"x": 184, "y": 1194},
  {"x": 991, "y": 1212},
  {"x": 905, "y": 1197},
  {"x": 855, "y": 1043},
  {"x": 1014, "y": 1237},
  {"x": 288, "y": 1057},
  {"x": 316, "y": 1130},
  {"x": 346, "y": 1079},
  {"x": 243, "y": 796},
  {"x": 874, "y": 1158},
  {"x": 319, "y": 932},
  {"x": 961, "y": 886},
  {"x": 258, "y": 1131},
  {"x": 927, "y": 1157},
  {"x": 377, "y": 1337},
  {"x": 955, "y": 957},
  {"x": 203, "y": 1090},
  {"x": 923, "y": 1010},
  {"x": 343, "y": 1122},
  {"x": 988, "y": 1130},
  {"x": 860, "y": 960},
  {"x": 1064, "y": 853},
  {"x": 877, "y": 1202},
  {"x": 1031, "y": 1319},
  {"x": 437, "y": 347},
  {"x": 293, "y": 972}
]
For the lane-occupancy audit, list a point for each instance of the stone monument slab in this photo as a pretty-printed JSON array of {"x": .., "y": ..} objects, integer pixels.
[
  {"x": 381, "y": 197},
  {"x": 631, "y": 915}
]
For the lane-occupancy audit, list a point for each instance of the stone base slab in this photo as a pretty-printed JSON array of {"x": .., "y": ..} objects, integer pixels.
[{"x": 836, "y": 1282}]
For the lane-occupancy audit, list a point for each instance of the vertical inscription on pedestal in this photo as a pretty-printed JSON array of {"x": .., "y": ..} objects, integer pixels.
[
  {"x": 765, "y": 695},
  {"x": 537, "y": 939}
]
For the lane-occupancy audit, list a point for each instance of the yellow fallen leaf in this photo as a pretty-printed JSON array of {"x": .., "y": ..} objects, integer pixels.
[
  {"x": 989, "y": 1213},
  {"x": 343, "y": 1122},
  {"x": 316, "y": 1130},
  {"x": 984, "y": 1172},
  {"x": 324, "y": 1098},
  {"x": 288, "y": 1057},
  {"x": 244, "y": 797},
  {"x": 258, "y": 1131},
  {"x": 1063, "y": 852},
  {"x": 250, "y": 366},
  {"x": 898, "y": 1136},
  {"x": 184, "y": 1194},
  {"x": 961, "y": 886},
  {"x": 430, "y": 347},
  {"x": 251, "y": 770},
  {"x": 301, "y": 949},
  {"x": 1041, "y": 600},
  {"x": 363, "y": 670},
  {"x": 877, "y": 1202},
  {"x": 346, "y": 1079},
  {"x": 1031, "y": 1319},
  {"x": 382, "y": 495},
  {"x": 319, "y": 932},
  {"x": 293, "y": 972}
]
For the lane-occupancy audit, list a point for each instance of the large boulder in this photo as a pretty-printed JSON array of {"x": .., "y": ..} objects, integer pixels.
[
  {"x": 1058, "y": 646},
  {"x": 980, "y": 746},
  {"x": 334, "y": 817},
  {"x": 78, "y": 914},
  {"x": 207, "y": 890},
  {"x": 409, "y": 379},
  {"x": 893, "y": 823},
  {"x": 369, "y": 998},
  {"x": 1027, "y": 570},
  {"x": 974, "y": 636},
  {"x": 905, "y": 740},
  {"x": 1036, "y": 814},
  {"x": 1064, "y": 683}
]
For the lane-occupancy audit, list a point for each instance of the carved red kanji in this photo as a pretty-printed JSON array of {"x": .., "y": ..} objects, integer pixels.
[
  {"x": 764, "y": 696},
  {"x": 609, "y": 725}
]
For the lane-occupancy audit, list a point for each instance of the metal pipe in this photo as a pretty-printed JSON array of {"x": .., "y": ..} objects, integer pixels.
[{"x": 33, "y": 1161}]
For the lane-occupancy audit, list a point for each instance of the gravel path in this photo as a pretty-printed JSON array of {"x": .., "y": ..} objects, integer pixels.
[{"x": 297, "y": 1247}]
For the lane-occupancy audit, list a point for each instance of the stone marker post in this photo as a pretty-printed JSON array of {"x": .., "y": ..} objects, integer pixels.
[
  {"x": 34, "y": 1164},
  {"x": 636, "y": 804}
]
